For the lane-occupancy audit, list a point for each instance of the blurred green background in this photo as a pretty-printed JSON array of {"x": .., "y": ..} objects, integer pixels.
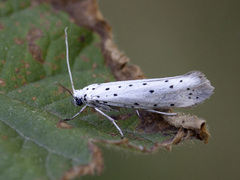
[{"x": 167, "y": 38}]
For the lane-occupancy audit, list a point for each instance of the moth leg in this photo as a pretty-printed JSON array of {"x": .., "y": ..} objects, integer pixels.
[
  {"x": 163, "y": 113},
  {"x": 111, "y": 119},
  {"x": 79, "y": 112},
  {"x": 137, "y": 111}
]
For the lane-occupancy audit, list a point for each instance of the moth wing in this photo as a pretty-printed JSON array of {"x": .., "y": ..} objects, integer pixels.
[{"x": 161, "y": 93}]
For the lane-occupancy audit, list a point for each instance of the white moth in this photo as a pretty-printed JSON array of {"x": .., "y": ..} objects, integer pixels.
[{"x": 146, "y": 94}]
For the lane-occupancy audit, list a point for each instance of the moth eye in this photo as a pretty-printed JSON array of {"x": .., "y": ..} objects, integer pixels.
[{"x": 77, "y": 102}]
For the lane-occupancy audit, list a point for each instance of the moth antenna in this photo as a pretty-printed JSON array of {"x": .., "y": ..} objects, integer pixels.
[
  {"x": 67, "y": 58},
  {"x": 66, "y": 89}
]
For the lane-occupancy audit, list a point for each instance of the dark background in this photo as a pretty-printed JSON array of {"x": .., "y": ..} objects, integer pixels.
[{"x": 167, "y": 38}]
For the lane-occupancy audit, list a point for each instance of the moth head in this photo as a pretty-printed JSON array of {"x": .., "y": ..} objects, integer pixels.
[{"x": 77, "y": 101}]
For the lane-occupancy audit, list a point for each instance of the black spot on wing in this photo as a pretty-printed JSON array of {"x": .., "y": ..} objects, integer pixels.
[{"x": 151, "y": 91}]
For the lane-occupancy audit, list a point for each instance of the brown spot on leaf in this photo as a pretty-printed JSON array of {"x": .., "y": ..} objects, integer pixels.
[
  {"x": 42, "y": 76},
  {"x": 36, "y": 85},
  {"x": 17, "y": 70},
  {"x": 3, "y": 62},
  {"x": 27, "y": 65},
  {"x": 54, "y": 66},
  {"x": 2, "y": 27},
  {"x": 2, "y": 82},
  {"x": 94, "y": 65},
  {"x": 36, "y": 52},
  {"x": 59, "y": 57},
  {"x": 20, "y": 76},
  {"x": 34, "y": 34},
  {"x": 4, "y": 137},
  {"x": 13, "y": 78},
  {"x": 24, "y": 82},
  {"x": 122, "y": 116},
  {"x": 84, "y": 58},
  {"x": 19, "y": 41},
  {"x": 63, "y": 125}
]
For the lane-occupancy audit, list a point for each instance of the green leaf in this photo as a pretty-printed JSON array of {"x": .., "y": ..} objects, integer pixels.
[{"x": 32, "y": 61}]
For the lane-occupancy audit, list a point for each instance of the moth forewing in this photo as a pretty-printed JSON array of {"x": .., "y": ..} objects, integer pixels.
[{"x": 162, "y": 93}]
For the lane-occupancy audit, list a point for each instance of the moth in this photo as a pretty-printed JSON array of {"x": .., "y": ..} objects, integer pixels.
[{"x": 146, "y": 94}]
